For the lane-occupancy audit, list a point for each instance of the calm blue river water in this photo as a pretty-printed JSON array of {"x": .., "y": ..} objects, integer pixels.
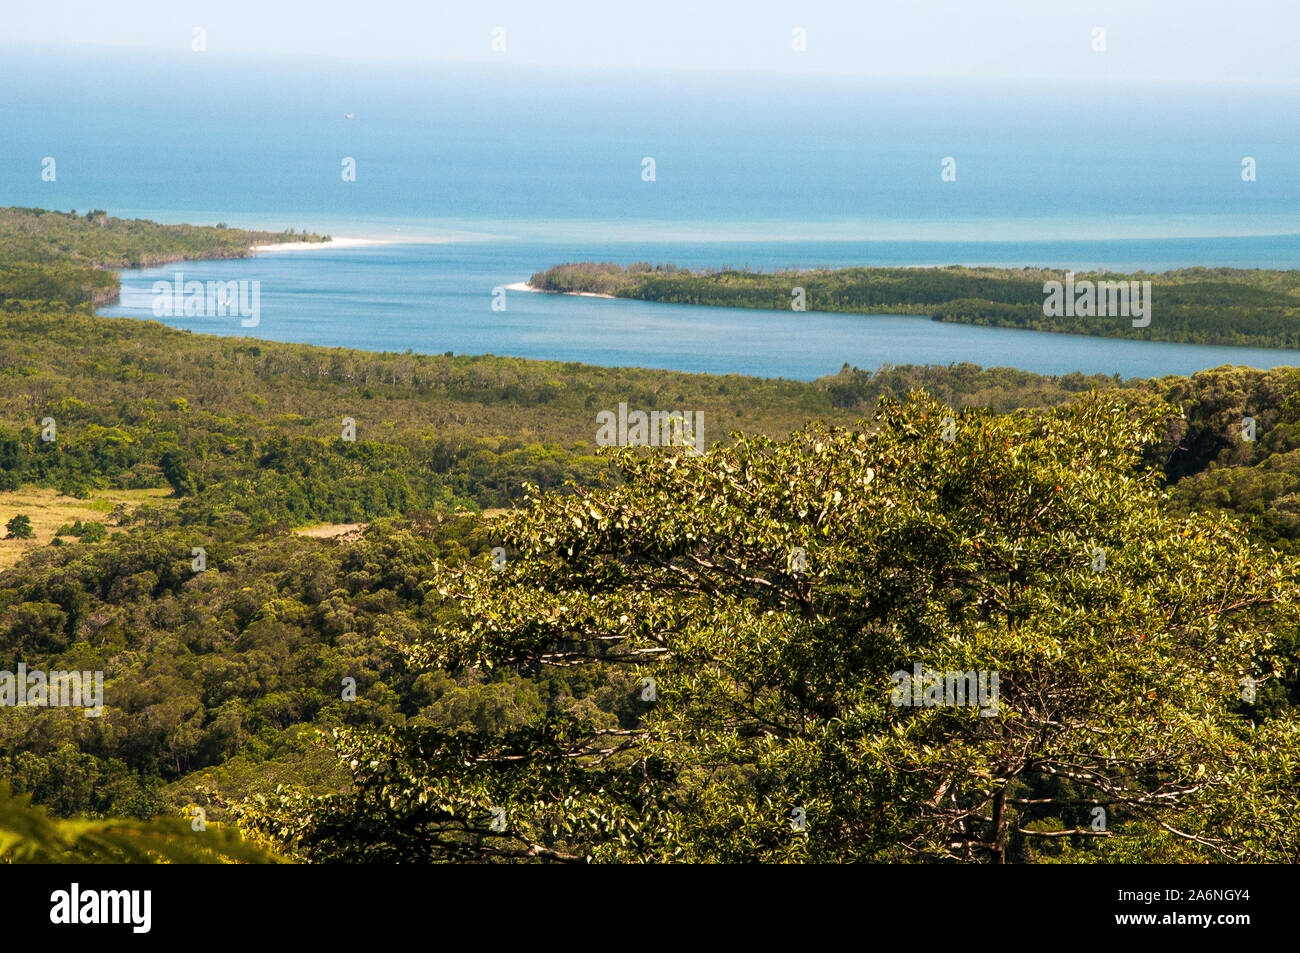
[{"x": 436, "y": 298}]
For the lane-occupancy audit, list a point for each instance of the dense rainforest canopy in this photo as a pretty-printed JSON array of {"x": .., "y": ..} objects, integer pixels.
[{"x": 759, "y": 599}]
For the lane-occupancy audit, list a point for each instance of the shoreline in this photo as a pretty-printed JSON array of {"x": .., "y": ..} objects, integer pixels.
[
  {"x": 340, "y": 242},
  {"x": 525, "y": 286}
]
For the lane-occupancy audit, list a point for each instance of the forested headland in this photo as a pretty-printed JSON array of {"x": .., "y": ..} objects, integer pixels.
[
  {"x": 641, "y": 655},
  {"x": 1227, "y": 306},
  {"x": 63, "y": 256}
]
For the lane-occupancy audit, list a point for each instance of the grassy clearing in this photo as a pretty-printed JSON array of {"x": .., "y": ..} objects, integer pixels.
[
  {"x": 332, "y": 530},
  {"x": 49, "y": 510}
]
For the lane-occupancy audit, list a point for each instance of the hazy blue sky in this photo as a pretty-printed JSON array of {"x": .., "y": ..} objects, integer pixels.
[{"x": 1208, "y": 40}]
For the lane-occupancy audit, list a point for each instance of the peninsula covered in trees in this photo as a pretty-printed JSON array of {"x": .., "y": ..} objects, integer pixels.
[
  {"x": 1259, "y": 308},
  {"x": 63, "y": 256}
]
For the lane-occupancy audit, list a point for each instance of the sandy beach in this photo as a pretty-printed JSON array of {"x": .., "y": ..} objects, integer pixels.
[
  {"x": 340, "y": 242},
  {"x": 525, "y": 286}
]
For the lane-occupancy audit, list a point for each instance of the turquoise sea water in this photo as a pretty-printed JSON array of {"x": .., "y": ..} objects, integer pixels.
[{"x": 525, "y": 169}]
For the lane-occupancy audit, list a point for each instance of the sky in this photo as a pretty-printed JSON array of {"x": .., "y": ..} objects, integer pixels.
[{"x": 1202, "y": 41}]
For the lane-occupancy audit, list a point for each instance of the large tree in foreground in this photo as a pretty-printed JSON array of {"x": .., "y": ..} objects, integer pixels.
[{"x": 778, "y": 608}]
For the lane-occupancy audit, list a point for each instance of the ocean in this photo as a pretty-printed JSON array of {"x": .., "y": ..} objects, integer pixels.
[{"x": 486, "y": 175}]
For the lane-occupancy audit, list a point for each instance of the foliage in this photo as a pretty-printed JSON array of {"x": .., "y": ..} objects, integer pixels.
[
  {"x": 28, "y": 835},
  {"x": 1119, "y": 688},
  {"x": 60, "y": 256}
]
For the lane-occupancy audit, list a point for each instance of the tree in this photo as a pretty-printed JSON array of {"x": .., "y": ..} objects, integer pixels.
[
  {"x": 20, "y": 527},
  {"x": 11, "y": 459},
  {"x": 177, "y": 473},
  {"x": 763, "y": 600},
  {"x": 94, "y": 532}
]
